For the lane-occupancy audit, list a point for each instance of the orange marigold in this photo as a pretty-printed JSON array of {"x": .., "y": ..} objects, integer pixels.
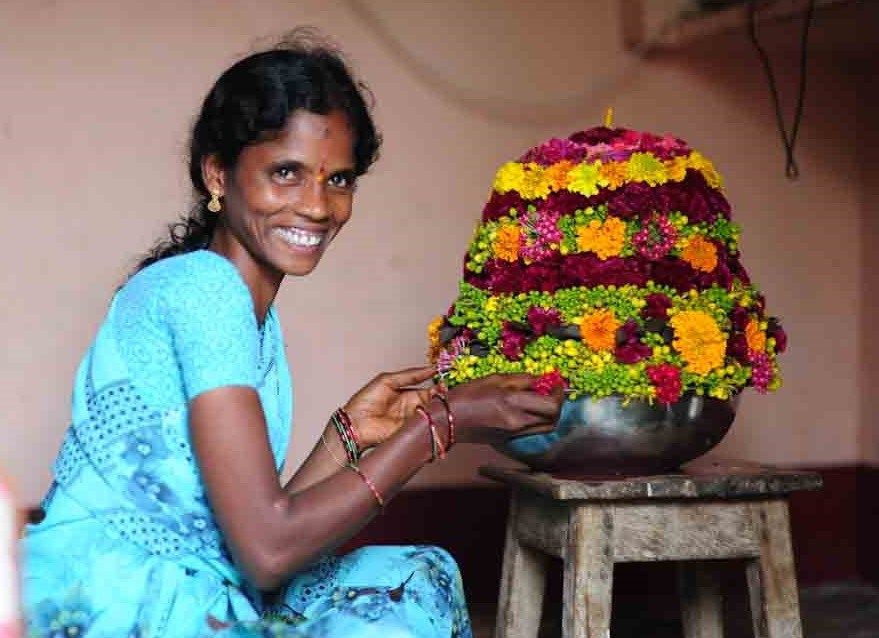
[
  {"x": 556, "y": 176},
  {"x": 755, "y": 337},
  {"x": 699, "y": 340},
  {"x": 700, "y": 253},
  {"x": 605, "y": 239},
  {"x": 677, "y": 168},
  {"x": 599, "y": 330},
  {"x": 612, "y": 175},
  {"x": 506, "y": 242},
  {"x": 433, "y": 337}
]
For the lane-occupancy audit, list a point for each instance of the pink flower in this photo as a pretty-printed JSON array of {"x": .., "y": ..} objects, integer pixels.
[
  {"x": 555, "y": 150},
  {"x": 593, "y": 136},
  {"x": 632, "y": 352},
  {"x": 547, "y": 383},
  {"x": 541, "y": 318},
  {"x": 673, "y": 272},
  {"x": 666, "y": 378},
  {"x": 761, "y": 371},
  {"x": 513, "y": 342}
]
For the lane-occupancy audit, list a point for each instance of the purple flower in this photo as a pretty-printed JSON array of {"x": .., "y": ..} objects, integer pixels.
[
  {"x": 541, "y": 318},
  {"x": 499, "y": 204},
  {"x": 513, "y": 342},
  {"x": 656, "y": 306},
  {"x": 555, "y": 150},
  {"x": 632, "y": 352}
]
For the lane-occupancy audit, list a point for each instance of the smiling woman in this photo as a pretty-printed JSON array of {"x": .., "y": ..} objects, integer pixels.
[{"x": 167, "y": 516}]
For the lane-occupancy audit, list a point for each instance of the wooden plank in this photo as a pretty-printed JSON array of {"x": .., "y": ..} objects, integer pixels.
[
  {"x": 542, "y": 523},
  {"x": 772, "y": 584},
  {"x": 713, "y": 479},
  {"x": 523, "y": 578},
  {"x": 588, "y": 573},
  {"x": 683, "y": 531}
]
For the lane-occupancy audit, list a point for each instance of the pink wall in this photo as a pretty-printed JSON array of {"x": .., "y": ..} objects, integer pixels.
[{"x": 96, "y": 103}]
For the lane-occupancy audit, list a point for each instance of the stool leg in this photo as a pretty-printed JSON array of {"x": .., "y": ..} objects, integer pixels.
[
  {"x": 588, "y": 577},
  {"x": 772, "y": 582},
  {"x": 701, "y": 600},
  {"x": 523, "y": 578}
]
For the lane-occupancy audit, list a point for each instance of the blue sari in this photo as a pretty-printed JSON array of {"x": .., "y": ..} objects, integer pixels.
[{"x": 129, "y": 546}]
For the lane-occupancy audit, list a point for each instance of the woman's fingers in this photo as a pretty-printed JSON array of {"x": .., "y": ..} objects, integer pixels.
[
  {"x": 541, "y": 407},
  {"x": 409, "y": 376}
]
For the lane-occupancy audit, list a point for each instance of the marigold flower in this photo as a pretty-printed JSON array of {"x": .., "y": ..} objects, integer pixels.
[
  {"x": 706, "y": 167},
  {"x": 433, "y": 336},
  {"x": 605, "y": 239},
  {"x": 506, "y": 243},
  {"x": 599, "y": 330},
  {"x": 556, "y": 176},
  {"x": 699, "y": 340},
  {"x": 700, "y": 253},
  {"x": 755, "y": 336},
  {"x": 676, "y": 168},
  {"x": 534, "y": 184},
  {"x": 612, "y": 175},
  {"x": 509, "y": 177},
  {"x": 584, "y": 178},
  {"x": 644, "y": 167}
]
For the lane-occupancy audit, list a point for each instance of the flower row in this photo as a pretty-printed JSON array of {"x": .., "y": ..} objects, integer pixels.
[
  {"x": 650, "y": 343},
  {"x": 534, "y": 237},
  {"x": 533, "y": 181}
]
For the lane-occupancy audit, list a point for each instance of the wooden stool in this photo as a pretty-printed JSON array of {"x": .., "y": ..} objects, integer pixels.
[{"x": 711, "y": 510}]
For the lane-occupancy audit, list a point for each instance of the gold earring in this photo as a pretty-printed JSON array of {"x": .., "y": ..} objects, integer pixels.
[{"x": 214, "y": 205}]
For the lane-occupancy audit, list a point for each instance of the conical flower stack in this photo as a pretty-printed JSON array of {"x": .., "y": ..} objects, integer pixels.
[{"x": 608, "y": 262}]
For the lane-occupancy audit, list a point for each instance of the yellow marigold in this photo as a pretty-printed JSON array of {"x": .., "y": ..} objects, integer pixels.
[
  {"x": 556, "y": 176},
  {"x": 700, "y": 253},
  {"x": 645, "y": 167},
  {"x": 433, "y": 337},
  {"x": 599, "y": 330},
  {"x": 583, "y": 178},
  {"x": 704, "y": 165},
  {"x": 699, "y": 340},
  {"x": 755, "y": 337},
  {"x": 534, "y": 184},
  {"x": 506, "y": 242},
  {"x": 605, "y": 239},
  {"x": 509, "y": 177},
  {"x": 612, "y": 175},
  {"x": 676, "y": 168}
]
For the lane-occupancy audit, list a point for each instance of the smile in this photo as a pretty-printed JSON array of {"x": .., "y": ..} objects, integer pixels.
[{"x": 299, "y": 238}]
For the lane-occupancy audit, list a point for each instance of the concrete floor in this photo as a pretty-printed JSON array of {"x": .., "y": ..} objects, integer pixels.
[{"x": 831, "y": 611}]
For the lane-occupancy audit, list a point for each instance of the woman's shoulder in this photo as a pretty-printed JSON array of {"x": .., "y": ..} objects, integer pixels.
[{"x": 200, "y": 274}]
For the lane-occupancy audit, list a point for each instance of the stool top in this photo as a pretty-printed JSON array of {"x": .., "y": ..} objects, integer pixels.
[{"x": 700, "y": 479}]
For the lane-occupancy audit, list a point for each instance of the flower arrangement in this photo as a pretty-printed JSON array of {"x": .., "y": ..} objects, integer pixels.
[{"x": 609, "y": 262}]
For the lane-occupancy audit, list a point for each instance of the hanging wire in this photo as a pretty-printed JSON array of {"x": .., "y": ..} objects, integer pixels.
[{"x": 791, "y": 170}]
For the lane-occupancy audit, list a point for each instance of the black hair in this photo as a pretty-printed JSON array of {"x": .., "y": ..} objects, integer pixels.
[{"x": 251, "y": 102}]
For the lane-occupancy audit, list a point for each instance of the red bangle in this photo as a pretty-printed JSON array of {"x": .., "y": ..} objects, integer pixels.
[
  {"x": 451, "y": 418},
  {"x": 436, "y": 445},
  {"x": 370, "y": 485}
]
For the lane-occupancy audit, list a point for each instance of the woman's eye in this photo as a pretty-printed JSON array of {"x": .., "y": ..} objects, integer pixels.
[
  {"x": 341, "y": 180},
  {"x": 286, "y": 174}
]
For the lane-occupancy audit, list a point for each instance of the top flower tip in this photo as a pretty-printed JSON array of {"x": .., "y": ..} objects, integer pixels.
[{"x": 599, "y": 140}]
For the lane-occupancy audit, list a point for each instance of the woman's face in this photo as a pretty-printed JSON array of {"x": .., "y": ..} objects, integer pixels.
[{"x": 287, "y": 197}]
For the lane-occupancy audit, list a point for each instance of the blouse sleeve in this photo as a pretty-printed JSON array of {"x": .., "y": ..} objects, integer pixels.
[
  {"x": 186, "y": 325},
  {"x": 213, "y": 328}
]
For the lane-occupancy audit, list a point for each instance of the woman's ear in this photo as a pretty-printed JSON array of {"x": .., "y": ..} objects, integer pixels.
[{"x": 213, "y": 174}]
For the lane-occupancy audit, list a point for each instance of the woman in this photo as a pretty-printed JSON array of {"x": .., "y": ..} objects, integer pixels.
[{"x": 166, "y": 516}]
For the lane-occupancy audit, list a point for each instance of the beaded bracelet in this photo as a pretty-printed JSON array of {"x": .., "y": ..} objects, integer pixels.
[
  {"x": 436, "y": 446},
  {"x": 443, "y": 397},
  {"x": 344, "y": 431},
  {"x": 370, "y": 485}
]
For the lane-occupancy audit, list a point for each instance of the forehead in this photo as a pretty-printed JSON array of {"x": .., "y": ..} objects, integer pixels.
[{"x": 312, "y": 139}]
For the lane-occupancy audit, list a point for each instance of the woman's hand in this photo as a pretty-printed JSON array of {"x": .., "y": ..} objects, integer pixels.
[
  {"x": 496, "y": 407},
  {"x": 380, "y": 407}
]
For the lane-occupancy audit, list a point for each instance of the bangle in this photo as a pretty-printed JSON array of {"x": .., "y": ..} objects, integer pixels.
[
  {"x": 443, "y": 397},
  {"x": 370, "y": 485},
  {"x": 330, "y": 451},
  {"x": 341, "y": 422},
  {"x": 349, "y": 425},
  {"x": 436, "y": 446}
]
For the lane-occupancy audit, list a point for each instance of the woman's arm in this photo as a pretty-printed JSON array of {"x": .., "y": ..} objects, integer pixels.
[{"x": 273, "y": 533}]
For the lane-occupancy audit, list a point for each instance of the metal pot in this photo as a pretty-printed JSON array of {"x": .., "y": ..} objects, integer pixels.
[{"x": 604, "y": 436}]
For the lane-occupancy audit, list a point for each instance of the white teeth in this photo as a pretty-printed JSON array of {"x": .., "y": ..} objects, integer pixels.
[{"x": 299, "y": 237}]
